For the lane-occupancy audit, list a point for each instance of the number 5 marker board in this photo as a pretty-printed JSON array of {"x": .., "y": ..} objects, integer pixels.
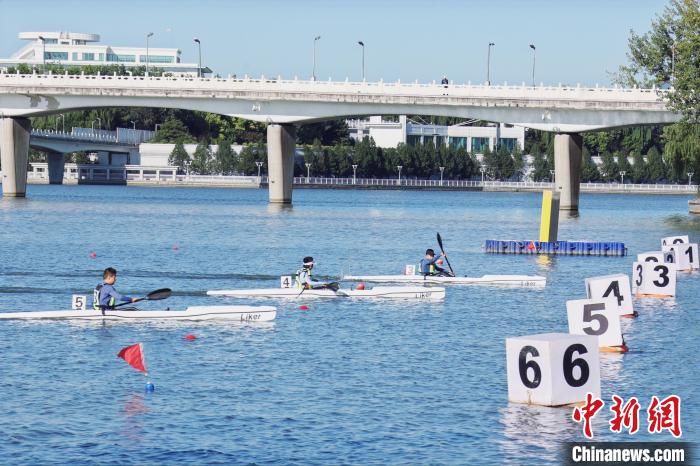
[
  {"x": 614, "y": 286},
  {"x": 597, "y": 317},
  {"x": 552, "y": 369}
]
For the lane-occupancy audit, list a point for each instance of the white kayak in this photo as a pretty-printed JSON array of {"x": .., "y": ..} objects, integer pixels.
[
  {"x": 494, "y": 280},
  {"x": 231, "y": 313},
  {"x": 396, "y": 292}
]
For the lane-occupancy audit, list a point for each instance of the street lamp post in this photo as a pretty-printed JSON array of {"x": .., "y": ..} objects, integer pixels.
[
  {"x": 156, "y": 127},
  {"x": 259, "y": 165},
  {"x": 149, "y": 35},
  {"x": 354, "y": 174},
  {"x": 363, "y": 58},
  {"x": 187, "y": 168},
  {"x": 199, "y": 47},
  {"x": 442, "y": 169},
  {"x": 690, "y": 178},
  {"x": 399, "y": 167},
  {"x": 43, "y": 53},
  {"x": 551, "y": 172},
  {"x": 482, "y": 170},
  {"x": 99, "y": 125},
  {"x": 532, "y": 46},
  {"x": 133, "y": 123},
  {"x": 488, "y": 65},
  {"x": 622, "y": 175},
  {"x": 313, "y": 74},
  {"x": 308, "y": 172},
  {"x": 63, "y": 123}
]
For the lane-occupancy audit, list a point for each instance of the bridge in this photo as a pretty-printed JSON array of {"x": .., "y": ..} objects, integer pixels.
[
  {"x": 58, "y": 143},
  {"x": 565, "y": 110}
]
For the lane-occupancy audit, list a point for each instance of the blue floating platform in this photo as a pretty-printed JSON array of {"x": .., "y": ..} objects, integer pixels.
[{"x": 563, "y": 248}]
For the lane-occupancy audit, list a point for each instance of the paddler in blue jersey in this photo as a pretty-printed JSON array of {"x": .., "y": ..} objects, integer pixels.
[
  {"x": 305, "y": 280},
  {"x": 105, "y": 296},
  {"x": 428, "y": 265}
]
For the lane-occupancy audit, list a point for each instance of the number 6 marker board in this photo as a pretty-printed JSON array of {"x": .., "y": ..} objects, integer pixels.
[
  {"x": 654, "y": 279},
  {"x": 552, "y": 369},
  {"x": 613, "y": 286},
  {"x": 597, "y": 317}
]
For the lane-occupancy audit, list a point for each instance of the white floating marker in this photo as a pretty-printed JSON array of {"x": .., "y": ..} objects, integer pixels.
[
  {"x": 410, "y": 269},
  {"x": 614, "y": 286},
  {"x": 651, "y": 256},
  {"x": 655, "y": 280},
  {"x": 686, "y": 256},
  {"x": 552, "y": 369},
  {"x": 78, "y": 302},
  {"x": 669, "y": 240},
  {"x": 286, "y": 281},
  {"x": 597, "y": 317}
]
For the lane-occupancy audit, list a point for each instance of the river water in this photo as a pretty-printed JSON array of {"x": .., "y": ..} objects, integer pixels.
[{"x": 343, "y": 382}]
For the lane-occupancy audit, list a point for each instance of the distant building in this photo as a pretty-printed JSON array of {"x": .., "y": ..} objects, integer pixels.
[
  {"x": 475, "y": 139},
  {"x": 80, "y": 49}
]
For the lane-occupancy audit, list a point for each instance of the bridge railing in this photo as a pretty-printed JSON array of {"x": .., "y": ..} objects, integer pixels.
[{"x": 123, "y": 136}]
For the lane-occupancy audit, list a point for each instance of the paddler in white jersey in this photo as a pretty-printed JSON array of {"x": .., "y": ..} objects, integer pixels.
[{"x": 306, "y": 281}]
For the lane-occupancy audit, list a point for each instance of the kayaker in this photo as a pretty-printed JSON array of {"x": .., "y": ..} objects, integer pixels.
[
  {"x": 428, "y": 265},
  {"x": 105, "y": 296},
  {"x": 305, "y": 280}
]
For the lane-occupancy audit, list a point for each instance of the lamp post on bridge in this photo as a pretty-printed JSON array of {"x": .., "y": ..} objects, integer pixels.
[
  {"x": 148, "y": 36},
  {"x": 399, "y": 167},
  {"x": 690, "y": 178},
  {"x": 488, "y": 65},
  {"x": 313, "y": 74},
  {"x": 551, "y": 172},
  {"x": 442, "y": 169},
  {"x": 133, "y": 123},
  {"x": 43, "y": 54},
  {"x": 259, "y": 165},
  {"x": 99, "y": 126},
  {"x": 532, "y": 46},
  {"x": 308, "y": 172},
  {"x": 363, "y": 58},
  {"x": 622, "y": 175},
  {"x": 354, "y": 174},
  {"x": 199, "y": 47},
  {"x": 63, "y": 123}
]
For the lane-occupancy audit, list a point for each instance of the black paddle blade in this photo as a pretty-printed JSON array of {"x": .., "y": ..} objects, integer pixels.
[
  {"x": 439, "y": 239},
  {"x": 162, "y": 293}
]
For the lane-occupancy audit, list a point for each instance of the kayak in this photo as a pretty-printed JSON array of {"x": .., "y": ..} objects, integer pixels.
[
  {"x": 232, "y": 313},
  {"x": 396, "y": 292},
  {"x": 496, "y": 280}
]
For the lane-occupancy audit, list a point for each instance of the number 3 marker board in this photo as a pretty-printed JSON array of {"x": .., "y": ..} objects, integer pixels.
[
  {"x": 597, "y": 317},
  {"x": 652, "y": 279},
  {"x": 613, "y": 286},
  {"x": 552, "y": 369}
]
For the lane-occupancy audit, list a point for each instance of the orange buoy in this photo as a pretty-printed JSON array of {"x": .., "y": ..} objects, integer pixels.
[
  {"x": 614, "y": 349},
  {"x": 190, "y": 337},
  {"x": 303, "y": 307},
  {"x": 360, "y": 286}
]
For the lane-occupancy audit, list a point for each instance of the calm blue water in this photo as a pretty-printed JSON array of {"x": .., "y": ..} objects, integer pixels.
[{"x": 344, "y": 382}]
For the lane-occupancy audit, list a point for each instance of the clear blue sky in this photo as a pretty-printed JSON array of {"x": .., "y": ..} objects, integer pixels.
[{"x": 577, "y": 41}]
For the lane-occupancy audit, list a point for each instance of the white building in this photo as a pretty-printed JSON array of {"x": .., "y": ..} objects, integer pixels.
[
  {"x": 475, "y": 139},
  {"x": 80, "y": 49}
]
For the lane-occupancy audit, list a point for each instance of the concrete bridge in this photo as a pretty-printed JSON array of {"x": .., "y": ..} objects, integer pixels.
[{"x": 565, "y": 110}]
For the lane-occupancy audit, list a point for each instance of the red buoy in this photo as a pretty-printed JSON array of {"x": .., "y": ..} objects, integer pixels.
[
  {"x": 190, "y": 337},
  {"x": 175, "y": 248},
  {"x": 361, "y": 286},
  {"x": 303, "y": 307},
  {"x": 93, "y": 254}
]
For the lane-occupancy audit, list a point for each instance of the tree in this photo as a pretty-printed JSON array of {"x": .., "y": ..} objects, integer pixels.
[
  {"x": 329, "y": 132},
  {"x": 608, "y": 169},
  {"x": 202, "y": 159},
  {"x": 656, "y": 167},
  {"x": 589, "y": 170},
  {"x": 518, "y": 163},
  {"x": 623, "y": 165},
  {"x": 178, "y": 157},
  {"x": 172, "y": 130},
  {"x": 225, "y": 158},
  {"x": 640, "y": 173},
  {"x": 249, "y": 155}
]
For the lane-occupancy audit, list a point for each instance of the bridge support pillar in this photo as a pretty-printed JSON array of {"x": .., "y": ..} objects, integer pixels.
[
  {"x": 14, "y": 153},
  {"x": 57, "y": 162},
  {"x": 281, "y": 146},
  {"x": 567, "y": 168}
]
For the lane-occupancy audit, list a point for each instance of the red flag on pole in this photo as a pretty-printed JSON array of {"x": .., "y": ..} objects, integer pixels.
[{"x": 133, "y": 355}]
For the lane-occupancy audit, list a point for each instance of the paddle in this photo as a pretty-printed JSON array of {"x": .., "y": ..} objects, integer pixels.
[
  {"x": 439, "y": 239},
  {"x": 333, "y": 286},
  {"x": 156, "y": 295}
]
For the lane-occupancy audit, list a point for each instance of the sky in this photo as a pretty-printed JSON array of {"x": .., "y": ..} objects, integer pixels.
[{"x": 576, "y": 41}]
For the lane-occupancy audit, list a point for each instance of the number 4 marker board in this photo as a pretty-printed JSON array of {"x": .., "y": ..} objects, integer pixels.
[
  {"x": 614, "y": 286},
  {"x": 597, "y": 317},
  {"x": 653, "y": 279},
  {"x": 552, "y": 369}
]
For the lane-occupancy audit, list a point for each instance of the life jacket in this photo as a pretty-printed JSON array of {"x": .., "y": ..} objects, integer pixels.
[
  {"x": 431, "y": 268},
  {"x": 96, "y": 299},
  {"x": 297, "y": 277}
]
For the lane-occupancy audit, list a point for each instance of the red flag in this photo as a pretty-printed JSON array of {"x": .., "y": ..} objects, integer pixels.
[{"x": 133, "y": 355}]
